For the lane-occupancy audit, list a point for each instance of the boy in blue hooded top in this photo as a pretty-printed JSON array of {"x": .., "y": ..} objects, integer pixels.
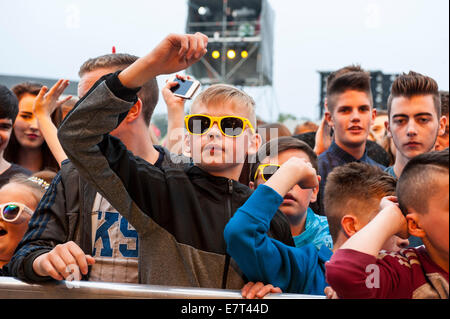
[
  {"x": 306, "y": 226},
  {"x": 352, "y": 199}
]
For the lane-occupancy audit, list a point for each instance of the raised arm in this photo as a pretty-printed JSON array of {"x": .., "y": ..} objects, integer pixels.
[
  {"x": 264, "y": 259},
  {"x": 175, "y": 53},
  {"x": 103, "y": 160},
  {"x": 323, "y": 137},
  {"x": 175, "y": 117},
  {"x": 389, "y": 221},
  {"x": 46, "y": 102},
  {"x": 358, "y": 270}
]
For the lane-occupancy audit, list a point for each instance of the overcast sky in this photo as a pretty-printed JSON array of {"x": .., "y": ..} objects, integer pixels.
[{"x": 52, "y": 38}]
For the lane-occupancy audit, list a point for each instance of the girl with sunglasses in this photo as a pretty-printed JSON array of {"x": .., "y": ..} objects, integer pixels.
[{"x": 18, "y": 200}]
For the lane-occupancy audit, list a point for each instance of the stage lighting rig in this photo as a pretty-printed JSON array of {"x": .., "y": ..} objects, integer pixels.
[{"x": 240, "y": 36}]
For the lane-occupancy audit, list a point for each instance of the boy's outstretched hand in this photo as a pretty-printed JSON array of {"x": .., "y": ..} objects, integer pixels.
[{"x": 175, "y": 53}]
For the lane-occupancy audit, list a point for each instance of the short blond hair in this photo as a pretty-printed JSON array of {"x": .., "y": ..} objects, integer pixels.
[{"x": 224, "y": 93}]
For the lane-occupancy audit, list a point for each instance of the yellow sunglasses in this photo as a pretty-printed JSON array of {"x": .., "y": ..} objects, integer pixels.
[
  {"x": 232, "y": 126},
  {"x": 266, "y": 170}
]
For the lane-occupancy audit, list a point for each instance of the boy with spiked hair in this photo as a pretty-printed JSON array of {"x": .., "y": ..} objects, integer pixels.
[
  {"x": 350, "y": 113},
  {"x": 415, "y": 119}
]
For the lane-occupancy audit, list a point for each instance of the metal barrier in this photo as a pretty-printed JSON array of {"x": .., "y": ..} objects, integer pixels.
[{"x": 12, "y": 288}]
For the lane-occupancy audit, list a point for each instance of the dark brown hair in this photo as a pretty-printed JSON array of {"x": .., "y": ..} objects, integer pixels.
[
  {"x": 418, "y": 175},
  {"x": 344, "y": 81},
  {"x": 149, "y": 92},
  {"x": 342, "y": 71},
  {"x": 13, "y": 149},
  {"x": 413, "y": 84},
  {"x": 354, "y": 188},
  {"x": 8, "y": 104},
  {"x": 281, "y": 144}
]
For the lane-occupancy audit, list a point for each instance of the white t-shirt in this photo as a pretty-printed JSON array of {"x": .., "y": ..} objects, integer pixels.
[{"x": 115, "y": 245}]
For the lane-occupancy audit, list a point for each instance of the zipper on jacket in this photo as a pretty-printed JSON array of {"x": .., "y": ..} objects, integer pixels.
[{"x": 227, "y": 257}]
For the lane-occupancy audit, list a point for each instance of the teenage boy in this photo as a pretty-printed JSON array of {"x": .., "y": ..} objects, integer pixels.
[
  {"x": 415, "y": 121},
  {"x": 179, "y": 214},
  {"x": 350, "y": 114},
  {"x": 8, "y": 112},
  {"x": 73, "y": 219},
  {"x": 358, "y": 270},
  {"x": 352, "y": 197},
  {"x": 306, "y": 226}
]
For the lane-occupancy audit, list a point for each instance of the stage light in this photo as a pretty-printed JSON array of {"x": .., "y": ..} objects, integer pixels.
[
  {"x": 244, "y": 54},
  {"x": 203, "y": 11},
  {"x": 231, "y": 54},
  {"x": 215, "y": 54}
]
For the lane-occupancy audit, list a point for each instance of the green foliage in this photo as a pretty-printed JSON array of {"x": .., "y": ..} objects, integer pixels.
[{"x": 282, "y": 117}]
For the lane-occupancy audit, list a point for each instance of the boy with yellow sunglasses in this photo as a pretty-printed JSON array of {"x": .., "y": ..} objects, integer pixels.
[{"x": 179, "y": 214}]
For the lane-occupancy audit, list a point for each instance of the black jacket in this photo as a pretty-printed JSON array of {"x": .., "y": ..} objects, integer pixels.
[
  {"x": 63, "y": 214},
  {"x": 180, "y": 215}
]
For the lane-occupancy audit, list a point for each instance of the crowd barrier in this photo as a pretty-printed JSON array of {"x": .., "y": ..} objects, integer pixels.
[{"x": 12, "y": 288}]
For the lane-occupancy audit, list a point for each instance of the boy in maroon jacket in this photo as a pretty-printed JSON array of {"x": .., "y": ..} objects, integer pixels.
[{"x": 358, "y": 270}]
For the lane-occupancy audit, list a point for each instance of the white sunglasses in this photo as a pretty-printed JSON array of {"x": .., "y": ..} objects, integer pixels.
[{"x": 10, "y": 212}]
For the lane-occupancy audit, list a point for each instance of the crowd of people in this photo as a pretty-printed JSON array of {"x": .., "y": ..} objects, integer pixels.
[{"x": 338, "y": 208}]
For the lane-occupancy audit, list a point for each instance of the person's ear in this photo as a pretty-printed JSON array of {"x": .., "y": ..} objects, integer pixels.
[
  {"x": 374, "y": 115},
  {"x": 315, "y": 191},
  {"x": 442, "y": 124},
  {"x": 325, "y": 104},
  {"x": 251, "y": 185},
  {"x": 349, "y": 224},
  {"x": 187, "y": 144},
  {"x": 134, "y": 112},
  {"x": 254, "y": 144},
  {"x": 388, "y": 129},
  {"x": 414, "y": 229},
  {"x": 329, "y": 119}
]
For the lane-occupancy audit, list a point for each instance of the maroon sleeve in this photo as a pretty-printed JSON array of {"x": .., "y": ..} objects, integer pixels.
[{"x": 353, "y": 274}]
